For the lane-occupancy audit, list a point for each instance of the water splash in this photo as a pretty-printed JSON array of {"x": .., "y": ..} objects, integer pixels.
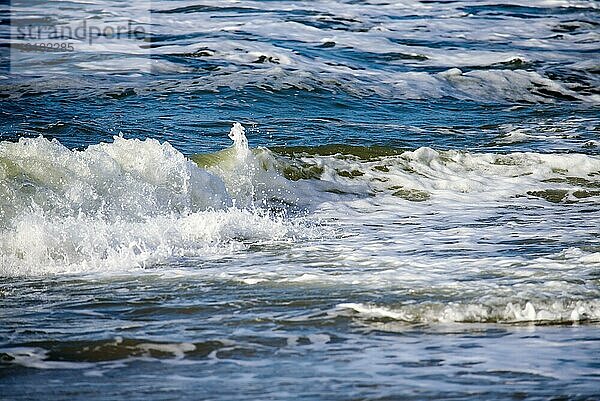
[{"x": 240, "y": 143}]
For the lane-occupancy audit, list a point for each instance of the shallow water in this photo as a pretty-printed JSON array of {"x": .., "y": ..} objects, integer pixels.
[{"x": 416, "y": 215}]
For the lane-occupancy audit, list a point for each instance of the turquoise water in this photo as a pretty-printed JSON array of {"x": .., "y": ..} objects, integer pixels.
[{"x": 408, "y": 210}]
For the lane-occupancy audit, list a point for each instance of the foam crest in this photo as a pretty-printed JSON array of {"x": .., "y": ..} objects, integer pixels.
[
  {"x": 125, "y": 179},
  {"x": 539, "y": 312},
  {"x": 125, "y": 204},
  {"x": 420, "y": 174}
]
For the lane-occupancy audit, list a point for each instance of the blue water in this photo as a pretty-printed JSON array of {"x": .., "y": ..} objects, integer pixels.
[{"x": 417, "y": 216}]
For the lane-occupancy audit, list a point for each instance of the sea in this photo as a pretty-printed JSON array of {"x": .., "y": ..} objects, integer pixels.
[{"x": 300, "y": 200}]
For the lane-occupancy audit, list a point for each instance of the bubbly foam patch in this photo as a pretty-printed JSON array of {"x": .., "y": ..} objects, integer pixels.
[
  {"x": 127, "y": 179},
  {"x": 39, "y": 244},
  {"x": 426, "y": 173}
]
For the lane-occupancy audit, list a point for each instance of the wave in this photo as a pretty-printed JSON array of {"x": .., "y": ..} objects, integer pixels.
[
  {"x": 134, "y": 203},
  {"x": 489, "y": 52},
  {"x": 538, "y": 312},
  {"x": 419, "y": 174},
  {"x": 129, "y": 203},
  {"x": 487, "y": 86}
]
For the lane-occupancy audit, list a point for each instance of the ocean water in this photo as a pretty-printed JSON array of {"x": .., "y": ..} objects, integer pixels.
[{"x": 301, "y": 200}]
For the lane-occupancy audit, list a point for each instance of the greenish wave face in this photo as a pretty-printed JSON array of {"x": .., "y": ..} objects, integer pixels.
[
  {"x": 362, "y": 152},
  {"x": 209, "y": 160}
]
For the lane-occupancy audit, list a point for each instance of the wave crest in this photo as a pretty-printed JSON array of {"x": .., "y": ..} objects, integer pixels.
[
  {"x": 538, "y": 312},
  {"x": 129, "y": 203}
]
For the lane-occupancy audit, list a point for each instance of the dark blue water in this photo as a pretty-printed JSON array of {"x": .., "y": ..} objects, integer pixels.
[{"x": 194, "y": 123}]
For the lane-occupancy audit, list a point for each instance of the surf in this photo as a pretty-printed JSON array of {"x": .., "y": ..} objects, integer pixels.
[
  {"x": 128, "y": 204},
  {"x": 132, "y": 204}
]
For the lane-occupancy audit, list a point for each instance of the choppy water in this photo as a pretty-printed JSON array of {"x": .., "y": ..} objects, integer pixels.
[{"x": 417, "y": 215}]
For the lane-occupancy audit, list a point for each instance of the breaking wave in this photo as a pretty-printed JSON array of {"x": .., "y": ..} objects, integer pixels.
[
  {"x": 128, "y": 203},
  {"x": 539, "y": 312},
  {"x": 133, "y": 203}
]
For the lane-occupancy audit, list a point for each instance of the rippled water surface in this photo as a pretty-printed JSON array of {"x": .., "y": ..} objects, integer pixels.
[{"x": 409, "y": 210}]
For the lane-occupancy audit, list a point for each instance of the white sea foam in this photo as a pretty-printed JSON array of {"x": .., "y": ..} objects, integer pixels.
[
  {"x": 457, "y": 174},
  {"x": 511, "y": 312},
  {"x": 485, "y": 52},
  {"x": 118, "y": 205},
  {"x": 123, "y": 179},
  {"x": 177, "y": 350}
]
